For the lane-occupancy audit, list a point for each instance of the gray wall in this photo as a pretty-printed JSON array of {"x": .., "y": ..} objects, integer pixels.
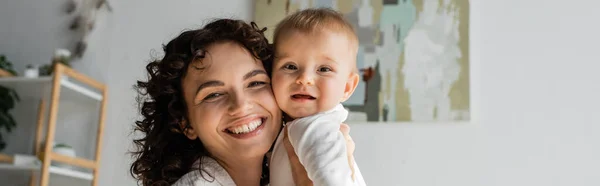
[{"x": 30, "y": 31}]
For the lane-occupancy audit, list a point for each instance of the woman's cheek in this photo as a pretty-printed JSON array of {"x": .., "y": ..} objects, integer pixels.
[{"x": 267, "y": 97}]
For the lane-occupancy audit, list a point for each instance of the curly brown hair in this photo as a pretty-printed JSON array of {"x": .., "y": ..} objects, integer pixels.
[{"x": 164, "y": 154}]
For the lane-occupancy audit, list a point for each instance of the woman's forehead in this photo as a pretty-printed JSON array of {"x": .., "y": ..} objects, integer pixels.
[
  {"x": 224, "y": 62},
  {"x": 229, "y": 67},
  {"x": 224, "y": 54}
]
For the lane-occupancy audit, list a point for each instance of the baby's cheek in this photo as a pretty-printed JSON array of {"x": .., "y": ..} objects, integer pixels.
[{"x": 338, "y": 83}]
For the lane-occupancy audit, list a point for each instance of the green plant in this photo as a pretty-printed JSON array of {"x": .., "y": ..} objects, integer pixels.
[
  {"x": 46, "y": 70},
  {"x": 61, "y": 56},
  {"x": 62, "y": 145},
  {"x": 8, "y": 100},
  {"x": 7, "y": 65}
]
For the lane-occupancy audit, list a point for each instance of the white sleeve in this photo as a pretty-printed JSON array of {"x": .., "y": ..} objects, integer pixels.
[
  {"x": 358, "y": 178},
  {"x": 321, "y": 148}
]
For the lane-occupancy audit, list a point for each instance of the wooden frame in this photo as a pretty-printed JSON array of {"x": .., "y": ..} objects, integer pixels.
[
  {"x": 5, "y": 158},
  {"x": 45, "y": 152},
  {"x": 4, "y": 73},
  {"x": 60, "y": 71}
]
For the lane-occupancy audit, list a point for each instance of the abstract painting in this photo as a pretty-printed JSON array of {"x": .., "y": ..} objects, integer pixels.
[{"x": 413, "y": 56}]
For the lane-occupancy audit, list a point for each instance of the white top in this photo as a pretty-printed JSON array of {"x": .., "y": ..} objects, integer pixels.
[
  {"x": 212, "y": 174},
  {"x": 320, "y": 147}
]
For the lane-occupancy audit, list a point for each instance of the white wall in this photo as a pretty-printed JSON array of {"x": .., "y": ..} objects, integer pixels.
[{"x": 535, "y": 96}]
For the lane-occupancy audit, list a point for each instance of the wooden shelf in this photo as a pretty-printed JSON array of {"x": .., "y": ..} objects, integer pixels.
[
  {"x": 4, "y": 73},
  {"x": 32, "y": 163},
  {"x": 73, "y": 161},
  {"x": 39, "y": 88},
  {"x": 65, "y": 84},
  {"x": 5, "y": 158},
  {"x": 53, "y": 170}
]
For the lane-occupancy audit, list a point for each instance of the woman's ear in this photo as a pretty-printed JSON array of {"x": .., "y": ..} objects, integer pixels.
[
  {"x": 350, "y": 86},
  {"x": 188, "y": 130}
]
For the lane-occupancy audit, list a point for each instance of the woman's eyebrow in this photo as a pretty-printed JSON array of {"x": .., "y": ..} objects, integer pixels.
[
  {"x": 207, "y": 84},
  {"x": 254, "y": 73}
]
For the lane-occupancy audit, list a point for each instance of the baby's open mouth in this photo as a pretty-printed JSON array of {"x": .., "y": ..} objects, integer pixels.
[{"x": 303, "y": 96}]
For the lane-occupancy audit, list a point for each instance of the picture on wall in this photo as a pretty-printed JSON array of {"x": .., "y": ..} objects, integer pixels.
[{"x": 413, "y": 56}]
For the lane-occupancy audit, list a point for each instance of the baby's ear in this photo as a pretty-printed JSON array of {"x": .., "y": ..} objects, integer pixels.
[{"x": 350, "y": 86}]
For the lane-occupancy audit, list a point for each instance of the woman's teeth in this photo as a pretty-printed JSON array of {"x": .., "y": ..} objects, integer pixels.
[{"x": 242, "y": 129}]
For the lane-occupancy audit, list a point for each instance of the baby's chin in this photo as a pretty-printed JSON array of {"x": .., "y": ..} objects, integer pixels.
[
  {"x": 299, "y": 113},
  {"x": 303, "y": 114},
  {"x": 295, "y": 113}
]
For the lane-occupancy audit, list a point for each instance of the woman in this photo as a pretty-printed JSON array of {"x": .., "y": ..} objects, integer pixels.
[{"x": 209, "y": 115}]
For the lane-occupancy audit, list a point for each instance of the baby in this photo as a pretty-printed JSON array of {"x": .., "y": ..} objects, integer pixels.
[{"x": 313, "y": 72}]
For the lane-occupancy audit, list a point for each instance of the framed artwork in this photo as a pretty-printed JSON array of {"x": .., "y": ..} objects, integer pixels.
[{"x": 413, "y": 56}]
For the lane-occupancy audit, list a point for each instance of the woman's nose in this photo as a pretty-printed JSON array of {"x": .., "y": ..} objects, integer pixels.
[{"x": 240, "y": 105}]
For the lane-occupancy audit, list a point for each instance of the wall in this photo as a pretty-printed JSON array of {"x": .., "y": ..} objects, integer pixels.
[
  {"x": 535, "y": 107},
  {"x": 31, "y": 30}
]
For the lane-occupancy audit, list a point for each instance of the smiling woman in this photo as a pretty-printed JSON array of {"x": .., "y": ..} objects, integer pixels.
[
  {"x": 232, "y": 107},
  {"x": 213, "y": 123}
]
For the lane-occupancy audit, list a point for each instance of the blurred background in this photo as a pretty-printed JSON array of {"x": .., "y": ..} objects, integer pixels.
[{"x": 523, "y": 107}]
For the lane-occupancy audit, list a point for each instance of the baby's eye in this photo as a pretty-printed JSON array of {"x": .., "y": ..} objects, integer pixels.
[
  {"x": 325, "y": 69},
  {"x": 290, "y": 67}
]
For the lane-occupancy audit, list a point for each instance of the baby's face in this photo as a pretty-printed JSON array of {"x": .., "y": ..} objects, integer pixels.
[{"x": 313, "y": 72}]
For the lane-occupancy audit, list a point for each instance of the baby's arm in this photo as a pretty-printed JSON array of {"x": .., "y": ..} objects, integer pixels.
[{"x": 321, "y": 148}]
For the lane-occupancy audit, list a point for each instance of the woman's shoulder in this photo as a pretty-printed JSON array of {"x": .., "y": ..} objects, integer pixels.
[{"x": 210, "y": 174}]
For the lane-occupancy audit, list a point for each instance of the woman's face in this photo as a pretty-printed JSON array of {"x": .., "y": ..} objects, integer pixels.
[{"x": 231, "y": 106}]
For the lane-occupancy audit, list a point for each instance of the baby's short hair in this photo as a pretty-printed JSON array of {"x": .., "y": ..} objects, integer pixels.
[{"x": 314, "y": 19}]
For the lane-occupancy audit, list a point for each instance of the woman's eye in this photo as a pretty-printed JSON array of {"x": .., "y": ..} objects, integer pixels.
[
  {"x": 290, "y": 67},
  {"x": 324, "y": 69},
  {"x": 212, "y": 96},
  {"x": 256, "y": 83}
]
